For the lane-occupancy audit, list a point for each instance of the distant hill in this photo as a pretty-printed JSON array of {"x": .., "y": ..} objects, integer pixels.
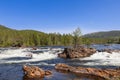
[
  {"x": 4, "y": 28},
  {"x": 105, "y": 34},
  {"x": 12, "y": 37}
]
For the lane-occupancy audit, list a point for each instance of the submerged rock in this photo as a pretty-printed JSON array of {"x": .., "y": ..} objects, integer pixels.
[
  {"x": 34, "y": 73},
  {"x": 48, "y": 72},
  {"x": 106, "y": 74},
  {"x": 78, "y": 52}
]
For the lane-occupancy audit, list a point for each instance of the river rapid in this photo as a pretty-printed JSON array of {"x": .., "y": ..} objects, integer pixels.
[{"x": 12, "y": 60}]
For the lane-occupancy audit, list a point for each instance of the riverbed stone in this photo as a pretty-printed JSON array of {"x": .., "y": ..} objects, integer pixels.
[
  {"x": 78, "y": 52},
  {"x": 34, "y": 72},
  {"x": 102, "y": 74}
]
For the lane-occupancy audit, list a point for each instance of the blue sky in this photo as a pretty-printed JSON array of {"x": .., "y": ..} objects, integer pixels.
[{"x": 61, "y": 16}]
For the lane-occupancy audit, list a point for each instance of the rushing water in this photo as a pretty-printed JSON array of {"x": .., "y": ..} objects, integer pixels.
[{"x": 12, "y": 59}]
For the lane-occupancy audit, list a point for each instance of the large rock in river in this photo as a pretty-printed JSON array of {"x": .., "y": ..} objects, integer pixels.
[
  {"x": 78, "y": 52},
  {"x": 100, "y": 74},
  {"x": 34, "y": 72}
]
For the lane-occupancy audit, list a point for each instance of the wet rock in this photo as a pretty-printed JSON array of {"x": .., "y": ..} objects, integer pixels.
[
  {"x": 16, "y": 45},
  {"x": 47, "y": 73},
  {"x": 34, "y": 73},
  {"x": 106, "y": 74},
  {"x": 30, "y": 55},
  {"x": 78, "y": 52},
  {"x": 36, "y": 78},
  {"x": 63, "y": 67},
  {"x": 108, "y": 50},
  {"x": 34, "y": 48}
]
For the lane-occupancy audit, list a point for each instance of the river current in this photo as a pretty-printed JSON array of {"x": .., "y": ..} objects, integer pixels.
[{"x": 12, "y": 60}]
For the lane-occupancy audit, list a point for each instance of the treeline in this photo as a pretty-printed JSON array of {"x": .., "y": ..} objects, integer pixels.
[
  {"x": 10, "y": 37},
  {"x": 101, "y": 40},
  {"x": 33, "y": 38}
]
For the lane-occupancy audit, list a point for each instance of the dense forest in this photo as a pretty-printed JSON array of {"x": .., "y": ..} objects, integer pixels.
[{"x": 11, "y": 37}]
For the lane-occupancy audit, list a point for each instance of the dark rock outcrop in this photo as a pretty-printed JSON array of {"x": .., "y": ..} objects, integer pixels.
[
  {"x": 106, "y": 74},
  {"x": 78, "y": 52},
  {"x": 109, "y": 50},
  {"x": 34, "y": 48},
  {"x": 34, "y": 73},
  {"x": 16, "y": 45}
]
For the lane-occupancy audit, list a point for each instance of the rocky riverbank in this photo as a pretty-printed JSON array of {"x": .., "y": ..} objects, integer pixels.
[
  {"x": 36, "y": 73},
  {"x": 96, "y": 74}
]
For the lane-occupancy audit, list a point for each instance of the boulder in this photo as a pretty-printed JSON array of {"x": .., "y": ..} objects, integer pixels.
[
  {"x": 78, "y": 52},
  {"x": 34, "y": 72},
  {"x": 103, "y": 74}
]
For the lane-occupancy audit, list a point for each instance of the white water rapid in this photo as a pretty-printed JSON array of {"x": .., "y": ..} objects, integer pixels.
[{"x": 103, "y": 58}]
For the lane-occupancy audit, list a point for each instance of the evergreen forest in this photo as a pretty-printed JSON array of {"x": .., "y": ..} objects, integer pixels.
[{"x": 12, "y": 37}]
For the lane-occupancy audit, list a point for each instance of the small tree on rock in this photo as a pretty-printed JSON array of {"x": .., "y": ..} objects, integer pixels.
[{"x": 76, "y": 36}]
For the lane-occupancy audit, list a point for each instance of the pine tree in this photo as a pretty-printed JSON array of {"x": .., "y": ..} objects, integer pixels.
[{"x": 76, "y": 36}]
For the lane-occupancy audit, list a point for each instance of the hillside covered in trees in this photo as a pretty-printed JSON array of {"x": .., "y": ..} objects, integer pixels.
[
  {"x": 107, "y": 34},
  {"x": 12, "y": 37},
  {"x": 104, "y": 37}
]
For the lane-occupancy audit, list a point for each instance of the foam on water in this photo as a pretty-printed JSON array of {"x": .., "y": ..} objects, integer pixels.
[
  {"x": 12, "y": 53},
  {"x": 42, "y": 63},
  {"x": 22, "y": 55},
  {"x": 103, "y": 58}
]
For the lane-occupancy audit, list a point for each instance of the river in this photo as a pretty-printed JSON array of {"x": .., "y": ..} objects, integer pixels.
[{"x": 12, "y": 60}]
